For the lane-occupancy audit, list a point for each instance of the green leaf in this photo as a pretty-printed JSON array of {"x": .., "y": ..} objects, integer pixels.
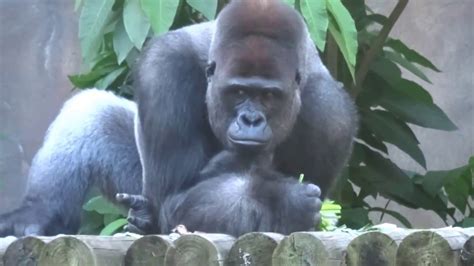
[
  {"x": 412, "y": 106},
  {"x": 109, "y": 218},
  {"x": 458, "y": 188},
  {"x": 388, "y": 128},
  {"x": 397, "y": 58},
  {"x": 101, "y": 205},
  {"x": 342, "y": 46},
  {"x": 208, "y": 8},
  {"x": 113, "y": 227},
  {"x": 433, "y": 181},
  {"x": 121, "y": 41},
  {"x": 92, "y": 21},
  {"x": 410, "y": 54},
  {"x": 371, "y": 140},
  {"x": 106, "y": 81},
  {"x": 161, "y": 13},
  {"x": 346, "y": 26},
  {"x": 355, "y": 217},
  {"x": 316, "y": 16},
  {"x": 394, "y": 214},
  {"x": 136, "y": 24},
  {"x": 468, "y": 222},
  {"x": 416, "y": 112}
]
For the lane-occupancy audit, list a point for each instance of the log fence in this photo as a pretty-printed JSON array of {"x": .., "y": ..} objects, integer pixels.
[{"x": 444, "y": 246}]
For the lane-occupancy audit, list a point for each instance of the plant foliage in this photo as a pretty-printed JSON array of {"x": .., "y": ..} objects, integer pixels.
[{"x": 354, "y": 43}]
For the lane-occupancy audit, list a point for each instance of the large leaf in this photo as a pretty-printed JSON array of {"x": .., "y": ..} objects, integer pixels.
[
  {"x": 113, "y": 227},
  {"x": 367, "y": 136},
  {"x": 399, "y": 59},
  {"x": 161, "y": 13},
  {"x": 388, "y": 128},
  {"x": 208, "y": 8},
  {"x": 342, "y": 46},
  {"x": 413, "y": 108},
  {"x": 101, "y": 205},
  {"x": 316, "y": 15},
  {"x": 92, "y": 21},
  {"x": 433, "y": 181},
  {"x": 346, "y": 26},
  {"x": 410, "y": 54},
  {"x": 106, "y": 81},
  {"x": 458, "y": 188},
  {"x": 121, "y": 41},
  {"x": 136, "y": 24}
]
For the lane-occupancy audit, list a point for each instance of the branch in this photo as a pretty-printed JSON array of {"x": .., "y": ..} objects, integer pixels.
[{"x": 377, "y": 46}]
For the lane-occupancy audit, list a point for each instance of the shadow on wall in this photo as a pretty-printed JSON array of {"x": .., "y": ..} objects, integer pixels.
[{"x": 38, "y": 49}]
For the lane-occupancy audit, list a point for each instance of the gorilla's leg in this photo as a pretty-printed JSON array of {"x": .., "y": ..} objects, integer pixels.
[
  {"x": 236, "y": 205},
  {"x": 91, "y": 141}
]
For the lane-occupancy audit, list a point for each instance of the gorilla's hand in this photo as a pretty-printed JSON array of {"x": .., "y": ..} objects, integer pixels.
[
  {"x": 141, "y": 214},
  {"x": 306, "y": 204}
]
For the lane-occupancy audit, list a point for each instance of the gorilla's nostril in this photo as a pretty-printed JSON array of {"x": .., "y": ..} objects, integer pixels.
[{"x": 251, "y": 119}]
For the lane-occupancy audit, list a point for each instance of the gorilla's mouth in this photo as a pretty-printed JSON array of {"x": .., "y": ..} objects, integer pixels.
[{"x": 248, "y": 142}]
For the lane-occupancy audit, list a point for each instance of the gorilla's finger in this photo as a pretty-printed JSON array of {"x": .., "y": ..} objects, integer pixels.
[
  {"x": 131, "y": 201},
  {"x": 33, "y": 230},
  {"x": 133, "y": 229},
  {"x": 139, "y": 222}
]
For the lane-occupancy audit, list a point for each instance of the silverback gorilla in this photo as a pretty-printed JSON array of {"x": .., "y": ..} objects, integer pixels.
[{"x": 226, "y": 112}]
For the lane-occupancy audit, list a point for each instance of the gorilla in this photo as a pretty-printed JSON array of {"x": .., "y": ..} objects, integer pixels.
[{"x": 226, "y": 113}]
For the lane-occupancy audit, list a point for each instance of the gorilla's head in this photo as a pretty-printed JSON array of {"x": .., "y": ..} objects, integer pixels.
[{"x": 253, "y": 96}]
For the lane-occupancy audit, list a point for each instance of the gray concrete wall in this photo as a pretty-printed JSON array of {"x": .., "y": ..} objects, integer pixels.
[{"x": 39, "y": 48}]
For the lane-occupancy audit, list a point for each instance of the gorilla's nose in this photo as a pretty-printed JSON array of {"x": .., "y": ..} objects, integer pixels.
[{"x": 251, "y": 119}]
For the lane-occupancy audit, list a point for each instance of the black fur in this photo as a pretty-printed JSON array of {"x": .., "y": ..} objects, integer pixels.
[
  {"x": 189, "y": 109},
  {"x": 244, "y": 194}
]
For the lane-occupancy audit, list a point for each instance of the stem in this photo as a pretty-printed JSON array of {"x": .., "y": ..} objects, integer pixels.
[
  {"x": 376, "y": 47},
  {"x": 383, "y": 212}
]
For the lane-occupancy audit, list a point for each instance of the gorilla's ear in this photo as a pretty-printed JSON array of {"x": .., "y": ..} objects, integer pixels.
[
  {"x": 211, "y": 67},
  {"x": 298, "y": 77}
]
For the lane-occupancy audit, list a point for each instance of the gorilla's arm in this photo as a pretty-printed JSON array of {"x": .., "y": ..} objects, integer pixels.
[
  {"x": 171, "y": 86},
  {"x": 321, "y": 141}
]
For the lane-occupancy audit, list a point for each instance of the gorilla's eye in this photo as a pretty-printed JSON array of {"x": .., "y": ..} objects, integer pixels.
[{"x": 269, "y": 95}]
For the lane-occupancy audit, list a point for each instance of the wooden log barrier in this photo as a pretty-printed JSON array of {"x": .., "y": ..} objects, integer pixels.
[
  {"x": 4, "y": 243},
  {"x": 467, "y": 252},
  {"x": 199, "y": 249},
  {"x": 253, "y": 249},
  {"x": 25, "y": 250},
  {"x": 437, "y": 247},
  {"x": 148, "y": 250},
  {"x": 313, "y": 248},
  {"x": 374, "y": 248},
  {"x": 85, "y": 250},
  {"x": 431, "y": 247}
]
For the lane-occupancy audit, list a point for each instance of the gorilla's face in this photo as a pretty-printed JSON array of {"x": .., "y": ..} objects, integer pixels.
[{"x": 253, "y": 95}]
